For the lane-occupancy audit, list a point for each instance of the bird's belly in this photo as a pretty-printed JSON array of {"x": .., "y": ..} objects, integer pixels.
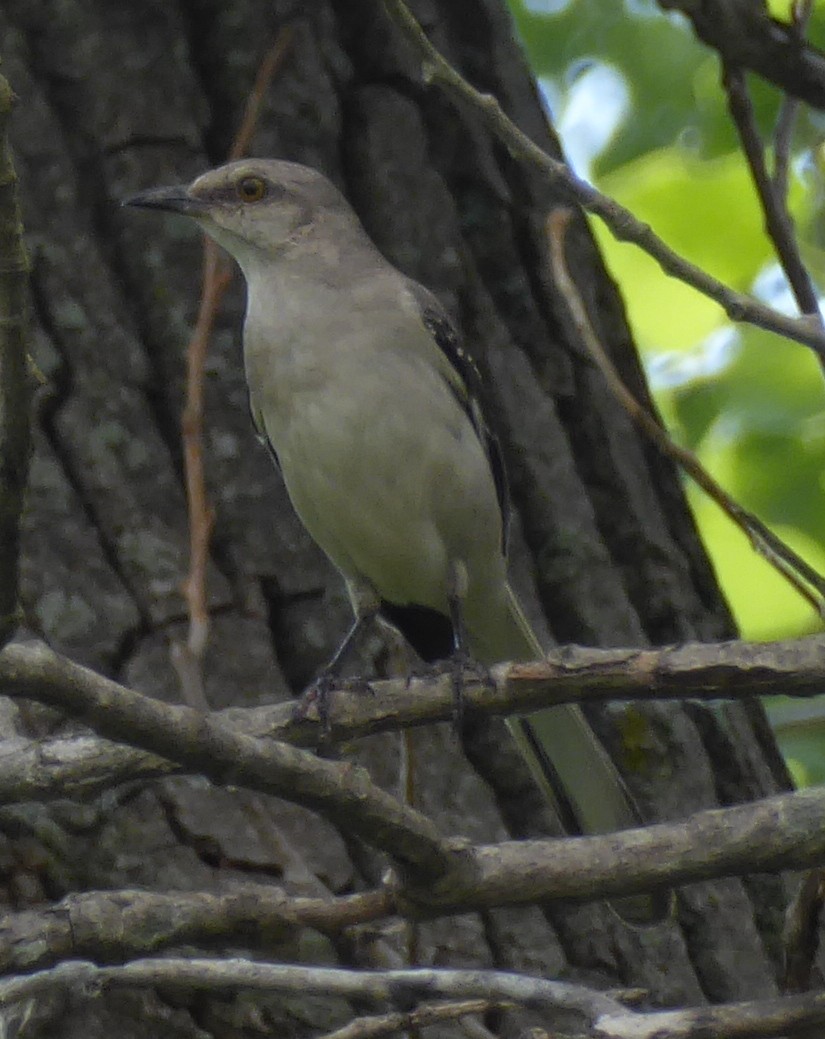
[{"x": 389, "y": 499}]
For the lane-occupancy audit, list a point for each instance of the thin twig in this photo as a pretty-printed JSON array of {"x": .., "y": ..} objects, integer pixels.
[
  {"x": 406, "y": 783},
  {"x": 745, "y": 34},
  {"x": 188, "y": 658},
  {"x": 801, "y": 12},
  {"x": 778, "y": 221},
  {"x": 421, "y": 1017},
  {"x": 804, "y": 579},
  {"x": 267, "y": 71},
  {"x": 620, "y": 221}
]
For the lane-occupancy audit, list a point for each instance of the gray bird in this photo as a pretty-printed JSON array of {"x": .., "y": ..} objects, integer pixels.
[{"x": 359, "y": 384}]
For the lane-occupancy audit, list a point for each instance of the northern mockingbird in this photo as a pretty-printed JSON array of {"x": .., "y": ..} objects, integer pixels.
[{"x": 361, "y": 387}]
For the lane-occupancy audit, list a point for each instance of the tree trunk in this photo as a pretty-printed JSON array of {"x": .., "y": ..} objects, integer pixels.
[{"x": 114, "y": 97}]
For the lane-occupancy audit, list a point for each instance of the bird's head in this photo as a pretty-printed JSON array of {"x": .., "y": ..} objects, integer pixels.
[{"x": 254, "y": 207}]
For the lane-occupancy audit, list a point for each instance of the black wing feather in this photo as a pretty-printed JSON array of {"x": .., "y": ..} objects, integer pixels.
[{"x": 446, "y": 337}]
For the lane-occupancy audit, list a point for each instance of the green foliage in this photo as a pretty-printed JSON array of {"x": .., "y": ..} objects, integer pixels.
[{"x": 751, "y": 405}]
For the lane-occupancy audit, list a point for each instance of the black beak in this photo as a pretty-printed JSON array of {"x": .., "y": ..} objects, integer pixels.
[{"x": 174, "y": 200}]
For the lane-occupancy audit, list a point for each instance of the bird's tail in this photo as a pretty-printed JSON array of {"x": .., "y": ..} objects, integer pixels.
[{"x": 567, "y": 759}]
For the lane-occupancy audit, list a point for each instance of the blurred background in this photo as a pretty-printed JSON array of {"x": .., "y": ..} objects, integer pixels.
[{"x": 638, "y": 103}]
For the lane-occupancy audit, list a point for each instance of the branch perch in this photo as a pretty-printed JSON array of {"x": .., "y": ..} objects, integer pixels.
[
  {"x": 447, "y": 876},
  {"x": 41, "y": 770}
]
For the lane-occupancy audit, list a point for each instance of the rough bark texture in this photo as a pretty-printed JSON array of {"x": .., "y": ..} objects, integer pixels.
[
  {"x": 118, "y": 96},
  {"x": 14, "y": 387}
]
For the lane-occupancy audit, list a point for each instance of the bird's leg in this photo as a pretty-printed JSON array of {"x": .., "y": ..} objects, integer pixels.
[
  {"x": 461, "y": 659},
  {"x": 349, "y": 642},
  {"x": 320, "y": 692},
  {"x": 458, "y": 661}
]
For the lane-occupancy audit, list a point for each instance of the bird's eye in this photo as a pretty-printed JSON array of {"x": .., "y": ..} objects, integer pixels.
[{"x": 251, "y": 189}]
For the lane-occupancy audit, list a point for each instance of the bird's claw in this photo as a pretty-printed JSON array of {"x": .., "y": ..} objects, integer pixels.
[
  {"x": 318, "y": 698},
  {"x": 457, "y": 666},
  {"x": 460, "y": 664}
]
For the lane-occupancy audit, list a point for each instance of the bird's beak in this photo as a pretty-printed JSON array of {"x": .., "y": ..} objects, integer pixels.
[{"x": 175, "y": 200}]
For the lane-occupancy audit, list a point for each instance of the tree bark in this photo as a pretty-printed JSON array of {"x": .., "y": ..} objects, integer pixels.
[{"x": 115, "y": 97}]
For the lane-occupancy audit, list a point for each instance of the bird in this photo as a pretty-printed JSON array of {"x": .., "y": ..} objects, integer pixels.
[{"x": 370, "y": 403}]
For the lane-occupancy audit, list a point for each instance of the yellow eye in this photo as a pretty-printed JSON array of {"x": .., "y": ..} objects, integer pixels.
[{"x": 251, "y": 189}]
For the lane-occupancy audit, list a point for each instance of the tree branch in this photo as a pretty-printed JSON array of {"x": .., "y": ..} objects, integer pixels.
[
  {"x": 187, "y": 657},
  {"x": 620, "y": 221},
  {"x": 448, "y": 876},
  {"x": 782, "y": 832},
  {"x": 41, "y": 770},
  {"x": 743, "y": 34},
  {"x": 801, "y": 11},
  {"x": 115, "y": 926},
  {"x": 801, "y": 934},
  {"x": 394, "y": 986},
  {"x": 607, "y": 1019},
  {"x": 200, "y": 742},
  {"x": 428, "y": 1014},
  {"x": 800, "y": 574},
  {"x": 778, "y": 222},
  {"x": 14, "y": 386}
]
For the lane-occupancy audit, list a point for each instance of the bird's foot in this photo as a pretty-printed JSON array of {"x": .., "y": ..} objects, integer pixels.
[
  {"x": 317, "y": 698},
  {"x": 459, "y": 666}
]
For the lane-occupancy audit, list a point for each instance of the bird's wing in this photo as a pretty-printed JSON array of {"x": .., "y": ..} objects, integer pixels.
[{"x": 462, "y": 375}]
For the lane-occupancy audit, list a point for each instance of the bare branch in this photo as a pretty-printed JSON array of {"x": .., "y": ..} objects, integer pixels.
[
  {"x": 778, "y": 222},
  {"x": 14, "y": 386},
  {"x": 188, "y": 657},
  {"x": 620, "y": 221},
  {"x": 269, "y": 68},
  {"x": 743, "y": 34},
  {"x": 759, "y": 1019},
  {"x": 201, "y": 742},
  {"x": 780, "y": 556},
  {"x": 429, "y": 1014},
  {"x": 41, "y": 770},
  {"x": 801, "y": 12},
  {"x": 608, "y": 1019},
  {"x": 782, "y": 832},
  {"x": 409, "y": 986},
  {"x": 114, "y": 926}
]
